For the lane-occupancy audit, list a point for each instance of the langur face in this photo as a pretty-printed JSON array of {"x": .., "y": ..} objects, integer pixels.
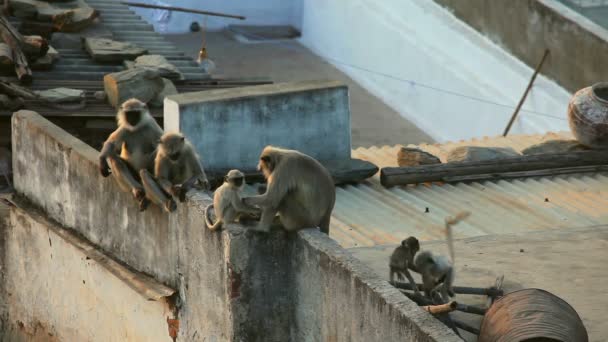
[
  {"x": 133, "y": 111},
  {"x": 237, "y": 181},
  {"x": 173, "y": 146},
  {"x": 266, "y": 166},
  {"x": 133, "y": 116},
  {"x": 235, "y": 178}
]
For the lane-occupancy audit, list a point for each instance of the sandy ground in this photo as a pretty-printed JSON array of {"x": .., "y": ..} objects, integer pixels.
[
  {"x": 571, "y": 264},
  {"x": 373, "y": 122}
]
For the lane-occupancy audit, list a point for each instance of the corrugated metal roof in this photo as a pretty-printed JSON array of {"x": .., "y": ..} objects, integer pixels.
[{"x": 368, "y": 214}]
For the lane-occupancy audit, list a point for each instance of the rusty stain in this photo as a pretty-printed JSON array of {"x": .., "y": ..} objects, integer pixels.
[
  {"x": 173, "y": 325},
  {"x": 235, "y": 282}
]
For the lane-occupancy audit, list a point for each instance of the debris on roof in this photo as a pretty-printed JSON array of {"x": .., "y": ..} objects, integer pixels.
[{"x": 369, "y": 214}]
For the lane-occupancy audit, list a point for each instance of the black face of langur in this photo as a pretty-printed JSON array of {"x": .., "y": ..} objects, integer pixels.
[
  {"x": 133, "y": 117},
  {"x": 132, "y": 112},
  {"x": 236, "y": 181},
  {"x": 412, "y": 244},
  {"x": 173, "y": 146}
]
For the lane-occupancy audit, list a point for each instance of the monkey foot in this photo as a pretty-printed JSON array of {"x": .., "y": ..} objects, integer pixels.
[
  {"x": 139, "y": 194},
  {"x": 170, "y": 205},
  {"x": 143, "y": 204}
]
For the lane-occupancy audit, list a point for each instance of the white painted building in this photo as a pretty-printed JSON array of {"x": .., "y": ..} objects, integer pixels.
[{"x": 414, "y": 55}]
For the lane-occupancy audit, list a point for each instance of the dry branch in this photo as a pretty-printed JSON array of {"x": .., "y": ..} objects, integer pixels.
[{"x": 14, "y": 40}]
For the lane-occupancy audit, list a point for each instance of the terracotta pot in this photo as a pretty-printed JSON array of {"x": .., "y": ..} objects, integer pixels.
[{"x": 588, "y": 115}]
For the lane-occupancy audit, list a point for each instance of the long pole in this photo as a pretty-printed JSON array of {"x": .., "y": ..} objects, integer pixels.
[
  {"x": 523, "y": 98},
  {"x": 181, "y": 9}
]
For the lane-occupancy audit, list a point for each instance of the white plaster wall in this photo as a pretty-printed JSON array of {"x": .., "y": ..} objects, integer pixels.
[
  {"x": 258, "y": 12},
  {"x": 420, "y": 41}
]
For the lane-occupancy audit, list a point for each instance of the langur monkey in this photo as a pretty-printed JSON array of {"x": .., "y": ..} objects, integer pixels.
[
  {"x": 177, "y": 169},
  {"x": 227, "y": 201},
  {"x": 299, "y": 189},
  {"x": 436, "y": 270},
  {"x": 135, "y": 139},
  {"x": 402, "y": 259}
]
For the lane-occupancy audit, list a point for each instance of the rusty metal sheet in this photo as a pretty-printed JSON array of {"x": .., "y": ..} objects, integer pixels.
[{"x": 532, "y": 314}]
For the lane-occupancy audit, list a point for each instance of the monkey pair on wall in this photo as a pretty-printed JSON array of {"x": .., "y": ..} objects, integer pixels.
[
  {"x": 299, "y": 189},
  {"x": 138, "y": 148},
  {"x": 437, "y": 271}
]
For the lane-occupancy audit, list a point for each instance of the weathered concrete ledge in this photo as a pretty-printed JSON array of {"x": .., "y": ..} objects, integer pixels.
[
  {"x": 58, "y": 173},
  {"x": 61, "y": 288},
  {"x": 527, "y": 27},
  {"x": 338, "y": 298},
  {"x": 233, "y": 285},
  {"x": 230, "y": 127}
]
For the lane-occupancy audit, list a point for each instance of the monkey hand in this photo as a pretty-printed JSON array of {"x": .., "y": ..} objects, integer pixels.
[
  {"x": 179, "y": 191},
  {"x": 202, "y": 184},
  {"x": 104, "y": 168}
]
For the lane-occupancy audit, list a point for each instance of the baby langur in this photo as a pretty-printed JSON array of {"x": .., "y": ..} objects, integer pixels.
[
  {"x": 227, "y": 201},
  {"x": 177, "y": 169},
  {"x": 131, "y": 147},
  {"x": 402, "y": 260},
  {"x": 438, "y": 271}
]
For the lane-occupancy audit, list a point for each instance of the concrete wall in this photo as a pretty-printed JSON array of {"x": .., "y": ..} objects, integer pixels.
[
  {"x": 337, "y": 298},
  {"x": 59, "y": 174},
  {"x": 59, "y": 289},
  {"x": 233, "y": 285},
  {"x": 259, "y": 12},
  {"x": 527, "y": 27},
  {"x": 432, "y": 68},
  {"x": 230, "y": 127}
]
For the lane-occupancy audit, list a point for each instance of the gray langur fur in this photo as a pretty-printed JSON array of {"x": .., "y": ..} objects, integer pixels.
[
  {"x": 299, "y": 189},
  {"x": 177, "y": 169},
  {"x": 437, "y": 270},
  {"x": 402, "y": 260},
  {"x": 227, "y": 201},
  {"x": 131, "y": 147}
]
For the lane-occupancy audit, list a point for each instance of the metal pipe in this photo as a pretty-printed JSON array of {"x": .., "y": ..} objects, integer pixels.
[
  {"x": 465, "y": 327},
  {"x": 490, "y": 291},
  {"x": 181, "y": 9}
]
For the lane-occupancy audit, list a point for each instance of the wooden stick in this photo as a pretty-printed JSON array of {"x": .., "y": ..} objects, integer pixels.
[
  {"x": 523, "y": 98},
  {"x": 14, "y": 40},
  {"x": 15, "y": 90},
  {"x": 391, "y": 176},
  {"x": 441, "y": 308},
  {"x": 523, "y": 174},
  {"x": 181, "y": 9}
]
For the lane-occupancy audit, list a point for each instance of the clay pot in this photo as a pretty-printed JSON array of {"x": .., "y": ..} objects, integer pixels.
[{"x": 588, "y": 115}]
